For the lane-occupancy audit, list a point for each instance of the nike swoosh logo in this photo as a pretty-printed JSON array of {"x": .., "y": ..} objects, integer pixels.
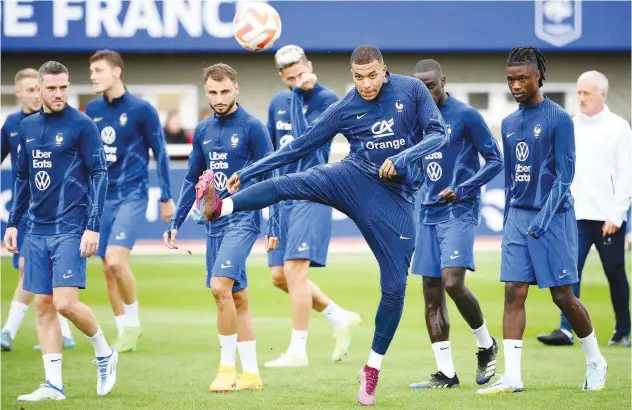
[
  {"x": 563, "y": 276},
  {"x": 66, "y": 276},
  {"x": 360, "y": 116},
  {"x": 280, "y": 112},
  {"x": 32, "y": 139},
  {"x": 13, "y": 134},
  {"x": 509, "y": 135},
  {"x": 403, "y": 237},
  {"x": 226, "y": 266},
  {"x": 454, "y": 256},
  {"x": 97, "y": 119},
  {"x": 301, "y": 249},
  {"x": 443, "y": 348},
  {"x": 206, "y": 142}
]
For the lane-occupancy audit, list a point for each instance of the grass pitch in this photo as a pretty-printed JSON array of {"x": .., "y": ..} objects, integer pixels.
[{"x": 179, "y": 351}]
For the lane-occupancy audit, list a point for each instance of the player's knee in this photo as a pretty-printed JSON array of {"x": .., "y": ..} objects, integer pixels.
[
  {"x": 114, "y": 268},
  {"x": 454, "y": 283},
  {"x": 64, "y": 305},
  {"x": 393, "y": 295},
  {"x": 44, "y": 305},
  {"x": 222, "y": 288},
  {"x": 515, "y": 293},
  {"x": 433, "y": 292},
  {"x": 278, "y": 277},
  {"x": 241, "y": 300},
  {"x": 295, "y": 271},
  {"x": 562, "y": 296}
]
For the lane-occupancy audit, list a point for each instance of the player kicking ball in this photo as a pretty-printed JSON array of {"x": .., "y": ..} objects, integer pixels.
[
  {"x": 226, "y": 142},
  {"x": 61, "y": 179},
  {"x": 129, "y": 128},
  {"x": 539, "y": 243},
  {"x": 450, "y": 211},
  {"x": 29, "y": 97},
  {"x": 374, "y": 185},
  {"x": 305, "y": 225}
]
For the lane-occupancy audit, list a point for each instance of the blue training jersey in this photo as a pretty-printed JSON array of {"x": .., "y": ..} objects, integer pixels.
[
  {"x": 129, "y": 127},
  {"x": 290, "y": 113},
  {"x": 384, "y": 128},
  {"x": 226, "y": 144},
  {"x": 539, "y": 151},
  {"x": 458, "y": 167},
  {"x": 61, "y": 174},
  {"x": 10, "y": 141}
]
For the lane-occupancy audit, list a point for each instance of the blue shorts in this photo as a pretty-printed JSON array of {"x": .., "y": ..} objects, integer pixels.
[
  {"x": 305, "y": 233},
  {"x": 384, "y": 217},
  {"x": 448, "y": 244},
  {"x": 53, "y": 261},
  {"x": 21, "y": 234},
  {"x": 121, "y": 221},
  {"x": 548, "y": 261},
  {"x": 226, "y": 255}
]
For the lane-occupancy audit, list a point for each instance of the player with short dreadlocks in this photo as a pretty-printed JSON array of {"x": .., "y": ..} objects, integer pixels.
[{"x": 539, "y": 243}]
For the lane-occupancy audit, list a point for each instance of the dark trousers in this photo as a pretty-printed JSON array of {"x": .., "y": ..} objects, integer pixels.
[{"x": 612, "y": 254}]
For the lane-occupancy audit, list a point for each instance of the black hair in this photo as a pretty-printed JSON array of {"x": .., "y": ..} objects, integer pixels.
[
  {"x": 366, "y": 55},
  {"x": 424, "y": 66},
  {"x": 528, "y": 56}
]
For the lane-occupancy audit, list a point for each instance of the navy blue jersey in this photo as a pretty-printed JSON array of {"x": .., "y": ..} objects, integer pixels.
[
  {"x": 290, "y": 113},
  {"x": 377, "y": 130},
  {"x": 457, "y": 165},
  {"x": 61, "y": 174},
  {"x": 10, "y": 141},
  {"x": 129, "y": 127},
  {"x": 225, "y": 144},
  {"x": 539, "y": 151}
]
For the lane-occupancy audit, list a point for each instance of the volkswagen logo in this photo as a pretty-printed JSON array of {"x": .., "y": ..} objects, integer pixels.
[
  {"x": 108, "y": 135},
  {"x": 220, "y": 179},
  {"x": 42, "y": 180},
  {"x": 434, "y": 171},
  {"x": 522, "y": 151}
]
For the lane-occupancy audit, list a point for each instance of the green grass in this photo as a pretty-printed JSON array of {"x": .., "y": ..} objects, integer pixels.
[{"x": 179, "y": 352}]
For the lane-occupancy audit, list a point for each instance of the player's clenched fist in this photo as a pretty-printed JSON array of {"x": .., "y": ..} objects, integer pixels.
[
  {"x": 167, "y": 209},
  {"x": 387, "y": 170},
  {"x": 233, "y": 184},
  {"x": 306, "y": 81},
  {"x": 169, "y": 237},
  {"x": 11, "y": 239},
  {"x": 449, "y": 195},
  {"x": 271, "y": 243},
  {"x": 89, "y": 243}
]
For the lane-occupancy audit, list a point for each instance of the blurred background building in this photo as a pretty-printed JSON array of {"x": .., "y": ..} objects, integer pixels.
[{"x": 166, "y": 44}]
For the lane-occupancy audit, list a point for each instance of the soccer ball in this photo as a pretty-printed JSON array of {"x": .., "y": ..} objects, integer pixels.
[{"x": 257, "y": 26}]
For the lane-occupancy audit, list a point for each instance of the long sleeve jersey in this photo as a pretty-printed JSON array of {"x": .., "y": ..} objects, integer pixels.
[
  {"x": 226, "y": 144},
  {"x": 129, "y": 128},
  {"x": 10, "y": 141},
  {"x": 290, "y": 113},
  {"x": 377, "y": 130},
  {"x": 539, "y": 152},
  {"x": 61, "y": 174},
  {"x": 457, "y": 165}
]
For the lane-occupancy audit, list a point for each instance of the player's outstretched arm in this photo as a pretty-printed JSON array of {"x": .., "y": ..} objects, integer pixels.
[
  {"x": 487, "y": 146},
  {"x": 197, "y": 165},
  {"x": 564, "y": 152},
  {"x": 155, "y": 137},
  {"x": 93, "y": 154},
  {"x": 21, "y": 192},
  {"x": 431, "y": 122},
  {"x": 322, "y": 130},
  {"x": 507, "y": 167}
]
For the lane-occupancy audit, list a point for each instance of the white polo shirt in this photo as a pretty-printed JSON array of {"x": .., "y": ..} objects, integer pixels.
[{"x": 602, "y": 186}]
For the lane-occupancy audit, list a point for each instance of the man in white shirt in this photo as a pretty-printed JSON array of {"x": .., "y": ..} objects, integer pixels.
[{"x": 602, "y": 191}]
